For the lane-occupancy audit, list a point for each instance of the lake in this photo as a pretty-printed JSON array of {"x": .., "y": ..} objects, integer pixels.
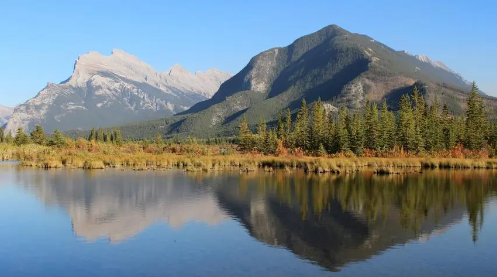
[{"x": 173, "y": 223}]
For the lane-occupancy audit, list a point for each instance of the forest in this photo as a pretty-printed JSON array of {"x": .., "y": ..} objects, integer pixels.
[{"x": 416, "y": 129}]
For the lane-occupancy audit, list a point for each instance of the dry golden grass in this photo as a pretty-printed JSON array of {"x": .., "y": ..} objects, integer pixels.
[{"x": 134, "y": 156}]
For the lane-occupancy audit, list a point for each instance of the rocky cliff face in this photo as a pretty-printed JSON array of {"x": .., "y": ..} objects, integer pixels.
[
  {"x": 5, "y": 114},
  {"x": 113, "y": 90}
]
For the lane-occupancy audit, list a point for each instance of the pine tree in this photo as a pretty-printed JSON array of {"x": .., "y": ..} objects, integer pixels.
[
  {"x": 245, "y": 136},
  {"x": 57, "y": 139},
  {"x": 342, "y": 131},
  {"x": 271, "y": 142},
  {"x": 9, "y": 138},
  {"x": 281, "y": 127},
  {"x": 476, "y": 121},
  {"x": 21, "y": 138},
  {"x": 2, "y": 136},
  {"x": 419, "y": 121},
  {"x": 357, "y": 135},
  {"x": 448, "y": 131},
  {"x": 386, "y": 128},
  {"x": 288, "y": 142},
  {"x": 301, "y": 132},
  {"x": 493, "y": 138},
  {"x": 371, "y": 126},
  {"x": 38, "y": 135},
  {"x": 318, "y": 125},
  {"x": 406, "y": 126},
  {"x": 118, "y": 139},
  {"x": 100, "y": 135},
  {"x": 93, "y": 135},
  {"x": 261, "y": 135}
]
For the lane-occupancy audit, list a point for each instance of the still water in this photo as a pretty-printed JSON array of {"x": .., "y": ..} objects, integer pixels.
[{"x": 125, "y": 223}]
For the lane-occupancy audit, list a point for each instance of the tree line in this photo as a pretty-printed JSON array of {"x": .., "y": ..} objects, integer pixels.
[
  {"x": 416, "y": 127},
  {"x": 37, "y": 136}
]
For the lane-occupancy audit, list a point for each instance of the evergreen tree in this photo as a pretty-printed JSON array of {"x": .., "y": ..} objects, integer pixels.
[
  {"x": 271, "y": 142},
  {"x": 118, "y": 139},
  {"x": 57, "y": 139},
  {"x": 301, "y": 131},
  {"x": 371, "y": 126},
  {"x": 322, "y": 151},
  {"x": 100, "y": 135},
  {"x": 245, "y": 136},
  {"x": 21, "y": 138},
  {"x": 342, "y": 131},
  {"x": 493, "y": 137},
  {"x": 2, "y": 136},
  {"x": 476, "y": 121},
  {"x": 406, "y": 127},
  {"x": 386, "y": 129},
  {"x": 9, "y": 138},
  {"x": 419, "y": 121},
  {"x": 288, "y": 142},
  {"x": 448, "y": 131},
  {"x": 318, "y": 129},
  {"x": 38, "y": 135},
  {"x": 357, "y": 135},
  {"x": 281, "y": 127},
  {"x": 261, "y": 135},
  {"x": 93, "y": 135}
]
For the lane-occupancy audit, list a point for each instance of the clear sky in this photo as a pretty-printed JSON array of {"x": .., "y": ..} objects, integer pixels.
[{"x": 40, "y": 40}]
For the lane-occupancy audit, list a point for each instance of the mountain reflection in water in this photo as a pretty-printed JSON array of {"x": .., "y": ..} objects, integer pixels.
[{"x": 331, "y": 220}]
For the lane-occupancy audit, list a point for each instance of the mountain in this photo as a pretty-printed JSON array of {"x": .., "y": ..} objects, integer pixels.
[
  {"x": 342, "y": 68},
  {"x": 5, "y": 114},
  {"x": 118, "y": 205},
  {"x": 114, "y": 90}
]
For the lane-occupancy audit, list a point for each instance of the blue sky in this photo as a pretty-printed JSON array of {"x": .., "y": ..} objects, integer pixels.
[{"x": 40, "y": 40}]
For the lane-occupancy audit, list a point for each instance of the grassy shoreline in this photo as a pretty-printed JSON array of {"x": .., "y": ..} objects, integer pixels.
[{"x": 101, "y": 156}]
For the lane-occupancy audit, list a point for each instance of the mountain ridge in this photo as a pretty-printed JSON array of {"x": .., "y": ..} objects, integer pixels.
[
  {"x": 340, "y": 67},
  {"x": 114, "y": 90}
]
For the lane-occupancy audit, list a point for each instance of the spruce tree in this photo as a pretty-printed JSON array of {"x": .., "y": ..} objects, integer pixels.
[
  {"x": 301, "y": 132},
  {"x": 371, "y": 126},
  {"x": 2, "y": 136},
  {"x": 318, "y": 125},
  {"x": 342, "y": 131},
  {"x": 406, "y": 126},
  {"x": 281, "y": 127},
  {"x": 93, "y": 135},
  {"x": 245, "y": 136},
  {"x": 57, "y": 139},
  {"x": 420, "y": 121},
  {"x": 261, "y": 135},
  {"x": 9, "y": 138},
  {"x": 448, "y": 131},
  {"x": 385, "y": 128},
  {"x": 357, "y": 135},
  {"x": 288, "y": 142},
  {"x": 476, "y": 121},
  {"x": 38, "y": 135},
  {"x": 118, "y": 139},
  {"x": 21, "y": 138}
]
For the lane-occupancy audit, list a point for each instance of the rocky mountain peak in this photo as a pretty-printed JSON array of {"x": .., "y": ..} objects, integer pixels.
[{"x": 112, "y": 90}]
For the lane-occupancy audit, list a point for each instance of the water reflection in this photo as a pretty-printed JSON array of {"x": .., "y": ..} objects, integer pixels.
[
  {"x": 118, "y": 205},
  {"x": 335, "y": 220},
  {"x": 327, "y": 219}
]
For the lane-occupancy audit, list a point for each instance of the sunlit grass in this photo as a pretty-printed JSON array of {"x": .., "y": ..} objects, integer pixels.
[{"x": 133, "y": 156}]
